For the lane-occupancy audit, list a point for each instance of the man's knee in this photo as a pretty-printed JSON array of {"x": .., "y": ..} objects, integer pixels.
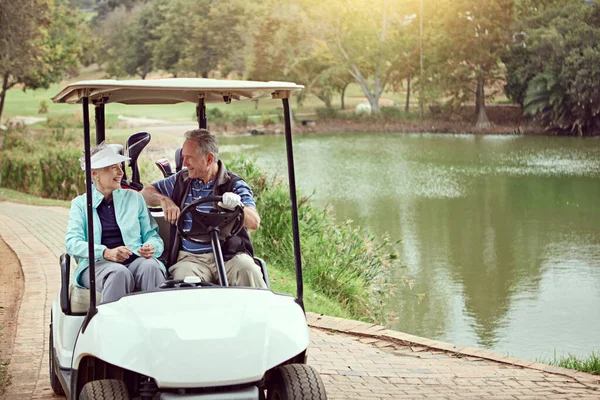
[
  {"x": 182, "y": 269},
  {"x": 244, "y": 271}
]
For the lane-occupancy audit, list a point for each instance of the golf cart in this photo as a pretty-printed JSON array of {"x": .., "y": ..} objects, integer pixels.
[{"x": 186, "y": 339}]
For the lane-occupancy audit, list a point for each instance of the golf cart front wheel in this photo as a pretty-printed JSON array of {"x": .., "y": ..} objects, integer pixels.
[
  {"x": 54, "y": 382},
  {"x": 105, "y": 389},
  {"x": 296, "y": 382}
]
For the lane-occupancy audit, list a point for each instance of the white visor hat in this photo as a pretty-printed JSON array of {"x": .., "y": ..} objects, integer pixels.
[{"x": 106, "y": 157}]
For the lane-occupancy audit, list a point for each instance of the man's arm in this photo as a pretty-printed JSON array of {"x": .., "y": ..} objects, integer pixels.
[
  {"x": 251, "y": 218},
  {"x": 154, "y": 198}
]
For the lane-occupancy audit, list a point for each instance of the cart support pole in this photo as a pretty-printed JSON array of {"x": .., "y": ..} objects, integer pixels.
[
  {"x": 90, "y": 216},
  {"x": 201, "y": 113},
  {"x": 294, "y": 201},
  {"x": 216, "y": 245},
  {"x": 99, "y": 118}
]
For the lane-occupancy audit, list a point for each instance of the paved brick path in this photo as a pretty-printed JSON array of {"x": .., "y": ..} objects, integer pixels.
[{"x": 356, "y": 360}]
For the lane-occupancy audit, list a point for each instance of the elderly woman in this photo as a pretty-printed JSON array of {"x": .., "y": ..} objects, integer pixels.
[{"x": 126, "y": 240}]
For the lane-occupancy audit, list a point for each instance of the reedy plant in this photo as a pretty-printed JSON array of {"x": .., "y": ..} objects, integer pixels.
[{"x": 341, "y": 261}]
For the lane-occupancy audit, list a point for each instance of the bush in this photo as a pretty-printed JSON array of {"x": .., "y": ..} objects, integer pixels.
[
  {"x": 327, "y": 113},
  {"x": 391, "y": 113},
  {"x": 340, "y": 261},
  {"x": 51, "y": 172},
  {"x": 42, "y": 165},
  {"x": 217, "y": 116},
  {"x": 240, "y": 120},
  {"x": 266, "y": 121},
  {"x": 43, "y": 107}
]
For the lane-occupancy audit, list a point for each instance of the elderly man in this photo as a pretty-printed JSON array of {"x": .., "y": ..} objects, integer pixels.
[{"x": 205, "y": 176}]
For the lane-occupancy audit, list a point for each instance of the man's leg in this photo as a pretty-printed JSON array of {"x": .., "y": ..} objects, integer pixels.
[
  {"x": 242, "y": 271},
  {"x": 189, "y": 264},
  {"x": 147, "y": 273},
  {"x": 114, "y": 280}
]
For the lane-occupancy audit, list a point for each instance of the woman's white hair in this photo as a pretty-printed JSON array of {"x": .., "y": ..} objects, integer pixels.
[{"x": 93, "y": 151}]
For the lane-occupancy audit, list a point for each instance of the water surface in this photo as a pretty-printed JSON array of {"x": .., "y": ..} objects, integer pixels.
[{"x": 500, "y": 233}]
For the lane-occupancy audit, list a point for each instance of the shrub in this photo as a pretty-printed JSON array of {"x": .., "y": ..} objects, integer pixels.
[
  {"x": 327, "y": 113},
  {"x": 217, "y": 116},
  {"x": 240, "y": 120},
  {"x": 43, "y": 107},
  {"x": 391, "y": 113},
  {"x": 342, "y": 262},
  {"x": 42, "y": 165},
  {"x": 268, "y": 121}
]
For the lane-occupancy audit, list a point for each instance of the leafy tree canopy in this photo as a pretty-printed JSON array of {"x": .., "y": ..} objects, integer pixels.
[
  {"x": 40, "y": 42},
  {"x": 552, "y": 67}
]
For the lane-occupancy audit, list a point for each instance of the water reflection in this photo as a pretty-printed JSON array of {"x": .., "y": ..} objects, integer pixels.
[{"x": 499, "y": 232}]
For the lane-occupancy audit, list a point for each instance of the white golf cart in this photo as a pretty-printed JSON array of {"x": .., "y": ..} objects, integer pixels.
[{"x": 186, "y": 339}]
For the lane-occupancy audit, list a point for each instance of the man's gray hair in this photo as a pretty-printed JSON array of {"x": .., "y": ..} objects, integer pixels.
[
  {"x": 206, "y": 141},
  {"x": 93, "y": 151}
]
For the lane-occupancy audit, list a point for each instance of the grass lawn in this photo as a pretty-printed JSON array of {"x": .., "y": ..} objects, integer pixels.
[
  {"x": 590, "y": 365},
  {"x": 19, "y": 197}
]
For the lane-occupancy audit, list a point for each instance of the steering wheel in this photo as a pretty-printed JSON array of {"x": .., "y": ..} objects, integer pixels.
[{"x": 225, "y": 222}]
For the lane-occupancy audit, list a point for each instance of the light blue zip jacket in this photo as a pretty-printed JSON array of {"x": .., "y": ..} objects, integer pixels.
[{"x": 133, "y": 217}]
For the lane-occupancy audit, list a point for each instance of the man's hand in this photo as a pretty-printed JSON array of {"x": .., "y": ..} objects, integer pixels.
[
  {"x": 170, "y": 209},
  {"x": 118, "y": 254},
  {"x": 230, "y": 201},
  {"x": 146, "y": 251}
]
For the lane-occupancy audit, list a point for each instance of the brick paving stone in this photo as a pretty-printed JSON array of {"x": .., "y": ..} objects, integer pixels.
[{"x": 356, "y": 360}]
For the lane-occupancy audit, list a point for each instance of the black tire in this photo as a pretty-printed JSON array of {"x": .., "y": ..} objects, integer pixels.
[
  {"x": 54, "y": 382},
  {"x": 105, "y": 389},
  {"x": 296, "y": 382}
]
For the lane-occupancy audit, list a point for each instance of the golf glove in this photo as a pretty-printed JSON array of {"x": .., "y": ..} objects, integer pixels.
[{"x": 230, "y": 201}]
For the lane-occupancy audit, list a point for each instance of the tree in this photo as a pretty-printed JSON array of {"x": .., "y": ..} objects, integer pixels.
[
  {"x": 468, "y": 42},
  {"x": 210, "y": 32},
  {"x": 367, "y": 37},
  {"x": 132, "y": 42},
  {"x": 168, "y": 48},
  {"x": 284, "y": 50},
  {"x": 553, "y": 68},
  {"x": 39, "y": 43},
  {"x": 106, "y": 7}
]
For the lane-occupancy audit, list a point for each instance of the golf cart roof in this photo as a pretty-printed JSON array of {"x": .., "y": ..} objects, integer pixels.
[{"x": 171, "y": 90}]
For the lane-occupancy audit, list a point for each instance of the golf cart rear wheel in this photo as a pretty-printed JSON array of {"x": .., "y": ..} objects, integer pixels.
[
  {"x": 105, "y": 389},
  {"x": 54, "y": 382},
  {"x": 296, "y": 382}
]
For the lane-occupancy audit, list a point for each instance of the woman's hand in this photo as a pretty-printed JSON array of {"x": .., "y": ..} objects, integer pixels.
[
  {"x": 118, "y": 254},
  {"x": 146, "y": 251}
]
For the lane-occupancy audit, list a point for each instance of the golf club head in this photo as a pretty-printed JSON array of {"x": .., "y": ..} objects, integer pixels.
[
  {"x": 178, "y": 160},
  {"x": 165, "y": 167},
  {"x": 133, "y": 148}
]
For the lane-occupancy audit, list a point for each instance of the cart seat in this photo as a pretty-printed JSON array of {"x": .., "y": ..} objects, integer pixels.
[
  {"x": 73, "y": 299},
  {"x": 79, "y": 299}
]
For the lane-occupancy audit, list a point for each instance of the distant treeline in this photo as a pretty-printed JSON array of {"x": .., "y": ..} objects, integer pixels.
[{"x": 544, "y": 54}]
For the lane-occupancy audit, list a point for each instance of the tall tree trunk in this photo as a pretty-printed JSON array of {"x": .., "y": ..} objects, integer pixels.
[
  {"x": 407, "y": 106},
  {"x": 325, "y": 99},
  {"x": 3, "y": 93},
  {"x": 205, "y": 74},
  {"x": 342, "y": 94},
  {"x": 483, "y": 122}
]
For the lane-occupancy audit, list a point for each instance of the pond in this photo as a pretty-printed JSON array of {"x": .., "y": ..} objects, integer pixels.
[{"x": 500, "y": 234}]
